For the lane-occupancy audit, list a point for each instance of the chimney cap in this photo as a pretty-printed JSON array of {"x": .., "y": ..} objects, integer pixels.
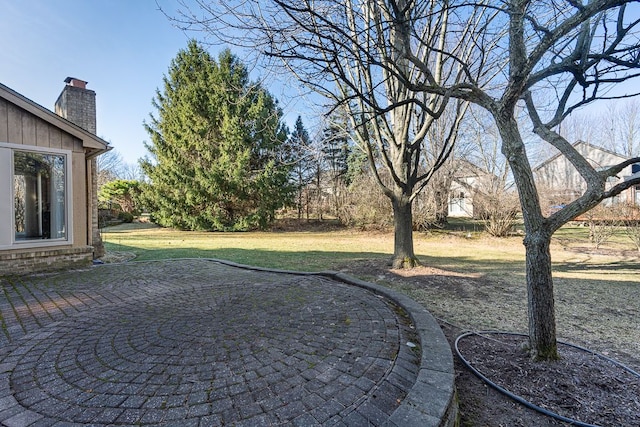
[{"x": 73, "y": 81}]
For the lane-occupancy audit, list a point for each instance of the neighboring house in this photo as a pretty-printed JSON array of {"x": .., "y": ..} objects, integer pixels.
[
  {"x": 467, "y": 181},
  {"x": 561, "y": 182},
  {"x": 48, "y": 196}
]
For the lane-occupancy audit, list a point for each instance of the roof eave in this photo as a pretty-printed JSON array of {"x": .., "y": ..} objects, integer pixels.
[{"x": 88, "y": 139}]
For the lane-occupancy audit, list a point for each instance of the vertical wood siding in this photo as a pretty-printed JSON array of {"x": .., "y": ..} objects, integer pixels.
[{"x": 18, "y": 126}]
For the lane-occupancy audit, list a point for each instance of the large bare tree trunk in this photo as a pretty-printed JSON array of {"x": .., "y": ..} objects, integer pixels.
[
  {"x": 540, "y": 301},
  {"x": 541, "y": 305},
  {"x": 403, "y": 255}
]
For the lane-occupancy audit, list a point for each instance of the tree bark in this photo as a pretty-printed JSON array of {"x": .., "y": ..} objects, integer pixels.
[
  {"x": 540, "y": 301},
  {"x": 541, "y": 305},
  {"x": 403, "y": 255},
  {"x": 441, "y": 196}
]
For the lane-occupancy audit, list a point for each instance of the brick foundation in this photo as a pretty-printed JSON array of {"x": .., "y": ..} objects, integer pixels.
[{"x": 41, "y": 260}]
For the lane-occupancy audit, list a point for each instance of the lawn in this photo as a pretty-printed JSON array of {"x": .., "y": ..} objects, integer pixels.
[{"x": 472, "y": 281}]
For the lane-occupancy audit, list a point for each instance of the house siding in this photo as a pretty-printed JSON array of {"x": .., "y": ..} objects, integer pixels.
[
  {"x": 21, "y": 128},
  {"x": 18, "y": 126},
  {"x": 79, "y": 201},
  {"x": 562, "y": 180}
]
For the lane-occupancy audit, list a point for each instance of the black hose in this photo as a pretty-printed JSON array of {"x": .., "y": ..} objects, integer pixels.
[{"x": 521, "y": 399}]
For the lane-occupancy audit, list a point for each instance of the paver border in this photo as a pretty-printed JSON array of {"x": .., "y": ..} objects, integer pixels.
[{"x": 432, "y": 400}]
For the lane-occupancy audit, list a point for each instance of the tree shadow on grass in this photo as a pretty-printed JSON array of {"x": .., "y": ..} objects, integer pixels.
[
  {"x": 127, "y": 227},
  {"x": 622, "y": 266},
  {"x": 286, "y": 260}
]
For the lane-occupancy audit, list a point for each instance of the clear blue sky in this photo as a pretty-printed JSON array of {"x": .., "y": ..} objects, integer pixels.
[{"x": 121, "y": 47}]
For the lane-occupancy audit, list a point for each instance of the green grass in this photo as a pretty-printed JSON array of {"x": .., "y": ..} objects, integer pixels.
[
  {"x": 466, "y": 252},
  {"x": 577, "y": 235},
  {"x": 299, "y": 251},
  {"x": 314, "y": 251}
]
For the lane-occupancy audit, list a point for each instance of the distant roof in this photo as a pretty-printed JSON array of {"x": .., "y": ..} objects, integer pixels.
[
  {"x": 575, "y": 144},
  {"x": 467, "y": 169}
]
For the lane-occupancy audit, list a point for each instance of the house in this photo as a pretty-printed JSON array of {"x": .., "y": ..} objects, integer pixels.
[
  {"x": 468, "y": 183},
  {"x": 561, "y": 183},
  {"x": 48, "y": 196}
]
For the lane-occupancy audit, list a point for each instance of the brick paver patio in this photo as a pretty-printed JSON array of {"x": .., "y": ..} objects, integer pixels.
[{"x": 201, "y": 343}]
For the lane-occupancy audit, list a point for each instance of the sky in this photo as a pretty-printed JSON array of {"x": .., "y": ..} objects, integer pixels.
[{"x": 122, "y": 48}]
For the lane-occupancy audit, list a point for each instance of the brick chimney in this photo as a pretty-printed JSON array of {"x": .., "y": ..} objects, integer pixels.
[{"x": 77, "y": 104}]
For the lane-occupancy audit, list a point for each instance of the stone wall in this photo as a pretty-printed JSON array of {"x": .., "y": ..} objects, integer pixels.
[{"x": 42, "y": 260}]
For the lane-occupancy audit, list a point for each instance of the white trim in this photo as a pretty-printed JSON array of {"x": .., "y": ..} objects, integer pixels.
[
  {"x": 35, "y": 149},
  {"x": 6, "y": 204},
  {"x": 20, "y": 244}
]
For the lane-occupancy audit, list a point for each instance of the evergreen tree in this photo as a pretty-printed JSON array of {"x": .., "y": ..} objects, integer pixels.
[
  {"x": 301, "y": 155},
  {"x": 336, "y": 149},
  {"x": 123, "y": 192},
  {"x": 357, "y": 165},
  {"x": 214, "y": 147}
]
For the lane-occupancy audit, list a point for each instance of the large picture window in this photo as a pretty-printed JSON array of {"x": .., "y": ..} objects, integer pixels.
[{"x": 39, "y": 191}]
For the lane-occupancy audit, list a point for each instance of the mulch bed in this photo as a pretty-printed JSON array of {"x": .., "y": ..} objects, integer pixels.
[{"x": 581, "y": 386}]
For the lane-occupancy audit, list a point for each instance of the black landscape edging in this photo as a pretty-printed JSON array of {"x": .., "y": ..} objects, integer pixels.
[{"x": 522, "y": 400}]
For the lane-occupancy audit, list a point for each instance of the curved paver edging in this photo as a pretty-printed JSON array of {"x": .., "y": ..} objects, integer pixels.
[{"x": 431, "y": 402}]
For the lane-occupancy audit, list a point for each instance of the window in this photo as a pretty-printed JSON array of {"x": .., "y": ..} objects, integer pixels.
[
  {"x": 457, "y": 203},
  {"x": 39, "y": 184},
  {"x": 35, "y": 196}
]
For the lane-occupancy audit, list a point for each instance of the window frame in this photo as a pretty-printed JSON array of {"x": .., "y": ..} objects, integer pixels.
[{"x": 8, "y": 215}]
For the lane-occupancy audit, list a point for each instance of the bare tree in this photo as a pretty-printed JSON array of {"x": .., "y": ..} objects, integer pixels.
[
  {"x": 561, "y": 55},
  {"x": 360, "y": 55},
  {"x": 554, "y": 55},
  {"x": 581, "y": 126},
  {"x": 364, "y": 208},
  {"x": 630, "y": 217},
  {"x": 603, "y": 221},
  {"x": 621, "y": 127},
  {"x": 131, "y": 171},
  {"x": 110, "y": 167},
  {"x": 443, "y": 131},
  {"x": 579, "y": 51},
  {"x": 616, "y": 127},
  {"x": 335, "y": 148},
  {"x": 495, "y": 201}
]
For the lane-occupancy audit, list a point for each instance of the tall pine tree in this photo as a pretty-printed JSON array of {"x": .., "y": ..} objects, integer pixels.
[
  {"x": 215, "y": 144},
  {"x": 336, "y": 149},
  {"x": 303, "y": 159}
]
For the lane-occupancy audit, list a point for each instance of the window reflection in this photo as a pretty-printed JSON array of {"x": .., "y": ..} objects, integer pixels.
[{"x": 39, "y": 196}]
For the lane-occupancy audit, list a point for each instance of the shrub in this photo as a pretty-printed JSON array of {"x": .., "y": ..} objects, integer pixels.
[{"x": 125, "y": 217}]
